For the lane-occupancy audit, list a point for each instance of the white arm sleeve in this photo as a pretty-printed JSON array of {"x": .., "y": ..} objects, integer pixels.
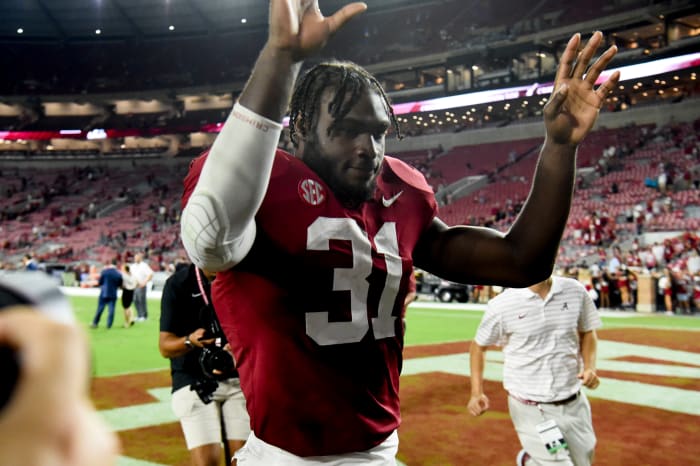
[{"x": 218, "y": 223}]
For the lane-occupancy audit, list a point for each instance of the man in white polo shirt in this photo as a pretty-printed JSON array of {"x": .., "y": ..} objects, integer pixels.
[
  {"x": 547, "y": 333},
  {"x": 143, "y": 274}
]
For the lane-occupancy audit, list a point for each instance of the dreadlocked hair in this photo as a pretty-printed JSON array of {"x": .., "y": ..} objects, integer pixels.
[{"x": 348, "y": 79}]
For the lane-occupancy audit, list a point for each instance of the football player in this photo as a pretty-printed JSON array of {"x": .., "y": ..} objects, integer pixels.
[{"x": 315, "y": 250}]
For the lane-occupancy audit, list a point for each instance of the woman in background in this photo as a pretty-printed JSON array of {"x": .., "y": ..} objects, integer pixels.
[{"x": 128, "y": 285}]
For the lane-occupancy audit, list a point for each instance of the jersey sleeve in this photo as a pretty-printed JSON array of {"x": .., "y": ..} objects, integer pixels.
[
  {"x": 408, "y": 174},
  {"x": 192, "y": 177}
]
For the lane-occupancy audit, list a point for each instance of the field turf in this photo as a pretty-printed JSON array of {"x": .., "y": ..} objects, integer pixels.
[{"x": 646, "y": 409}]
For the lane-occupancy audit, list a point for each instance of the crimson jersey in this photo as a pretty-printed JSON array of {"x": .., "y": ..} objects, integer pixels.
[{"x": 314, "y": 313}]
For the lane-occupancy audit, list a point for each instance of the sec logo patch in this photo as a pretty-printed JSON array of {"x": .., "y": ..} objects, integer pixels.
[{"x": 312, "y": 191}]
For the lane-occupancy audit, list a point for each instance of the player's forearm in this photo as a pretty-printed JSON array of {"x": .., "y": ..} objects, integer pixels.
[
  {"x": 538, "y": 229},
  {"x": 476, "y": 369},
  {"x": 218, "y": 226},
  {"x": 270, "y": 85},
  {"x": 589, "y": 349}
]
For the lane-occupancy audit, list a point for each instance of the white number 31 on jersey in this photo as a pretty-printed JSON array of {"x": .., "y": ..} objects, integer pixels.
[{"x": 354, "y": 279}]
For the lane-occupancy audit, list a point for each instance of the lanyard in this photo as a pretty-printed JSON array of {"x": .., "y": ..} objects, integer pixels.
[{"x": 201, "y": 286}]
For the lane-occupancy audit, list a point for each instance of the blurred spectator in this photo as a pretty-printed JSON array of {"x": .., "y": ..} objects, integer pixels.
[
  {"x": 110, "y": 281},
  {"x": 143, "y": 274},
  {"x": 29, "y": 262},
  {"x": 129, "y": 284},
  {"x": 665, "y": 287}
]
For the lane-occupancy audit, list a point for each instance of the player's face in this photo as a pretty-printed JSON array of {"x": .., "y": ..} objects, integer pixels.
[{"x": 349, "y": 157}]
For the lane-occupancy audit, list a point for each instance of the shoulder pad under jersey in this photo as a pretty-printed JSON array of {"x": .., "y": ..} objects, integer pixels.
[{"x": 407, "y": 174}]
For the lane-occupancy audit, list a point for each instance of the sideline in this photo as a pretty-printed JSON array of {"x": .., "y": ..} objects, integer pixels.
[
  {"x": 95, "y": 292},
  {"x": 427, "y": 305},
  {"x": 420, "y": 304}
]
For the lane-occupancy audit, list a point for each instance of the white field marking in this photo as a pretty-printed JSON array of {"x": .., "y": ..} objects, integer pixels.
[
  {"x": 138, "y": 416},
  {"x": 128, "y": 461},
  {"x": 610, "y": 350},
  {"x": 615, "y": 349},
  {"x": 667, "y": 398},
  {"x": 143, "y": 415},
  {"x": 635, "y": 393}
]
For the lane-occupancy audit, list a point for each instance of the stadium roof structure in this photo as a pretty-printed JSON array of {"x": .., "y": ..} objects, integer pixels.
[
  {"x": 98, "y": 50},
  {"x": 80, "y": 20},
  {"x": 103, "y": 20}
]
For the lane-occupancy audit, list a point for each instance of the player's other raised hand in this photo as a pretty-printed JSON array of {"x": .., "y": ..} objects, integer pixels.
[{"x": 575, "y": 102}]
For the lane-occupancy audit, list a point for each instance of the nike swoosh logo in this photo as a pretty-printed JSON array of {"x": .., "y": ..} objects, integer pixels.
[
  {"x": 520, "y": 316},
  {"x": 196, "y": 295},
  {"x": 387, "y": 202}
]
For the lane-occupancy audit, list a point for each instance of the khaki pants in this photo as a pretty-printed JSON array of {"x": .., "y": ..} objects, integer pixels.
[{"x": 574, "y": 421}]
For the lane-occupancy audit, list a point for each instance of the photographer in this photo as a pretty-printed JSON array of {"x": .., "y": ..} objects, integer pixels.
[{"x": 206, "y": 388}]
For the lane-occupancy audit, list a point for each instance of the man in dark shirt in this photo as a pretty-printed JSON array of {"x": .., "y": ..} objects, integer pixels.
[
  {"x": 110, "y": 281},
  {"x": 199, "y": 399}
]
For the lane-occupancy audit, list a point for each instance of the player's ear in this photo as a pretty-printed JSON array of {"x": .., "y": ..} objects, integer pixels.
[{"x": 299, "y": 131}]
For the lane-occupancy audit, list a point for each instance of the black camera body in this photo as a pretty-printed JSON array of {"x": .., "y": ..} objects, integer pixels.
[
  {"x": 205, "y": 389},
  {"x": 216, "y": 363}
]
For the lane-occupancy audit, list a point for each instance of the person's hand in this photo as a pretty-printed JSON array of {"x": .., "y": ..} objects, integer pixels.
[
  {"x": 49, "y": 419},
  {"x": 197, "y": 338},
  {"x": 299, "y": 27},
  {"x": 574, "y": 104},
  {"x": 589, "y": 378},
  {"x": 478, "y": 405}
]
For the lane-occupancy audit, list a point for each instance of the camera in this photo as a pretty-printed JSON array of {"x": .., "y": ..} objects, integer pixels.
[
  {"x": 34, "y": 289},
  {"x": 205, "y": 389},
  {"x": 216, "y": 363}
]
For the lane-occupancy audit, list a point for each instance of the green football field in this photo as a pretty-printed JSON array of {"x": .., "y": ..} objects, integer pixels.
[
  {"x": 122, "y": 351},
  {"x": 650, "y": 394}
]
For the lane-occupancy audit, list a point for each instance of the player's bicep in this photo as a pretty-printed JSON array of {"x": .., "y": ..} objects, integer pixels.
[{"x": 469, "y": 254}]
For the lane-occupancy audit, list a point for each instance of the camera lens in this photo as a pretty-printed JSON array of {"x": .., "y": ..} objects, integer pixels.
[{"x": 216, "y": 363}]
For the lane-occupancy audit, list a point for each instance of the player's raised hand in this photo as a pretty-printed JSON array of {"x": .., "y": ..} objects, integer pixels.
[
  {"x": 575, "y": 102},
  {"x": 299, "y": 27}
]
